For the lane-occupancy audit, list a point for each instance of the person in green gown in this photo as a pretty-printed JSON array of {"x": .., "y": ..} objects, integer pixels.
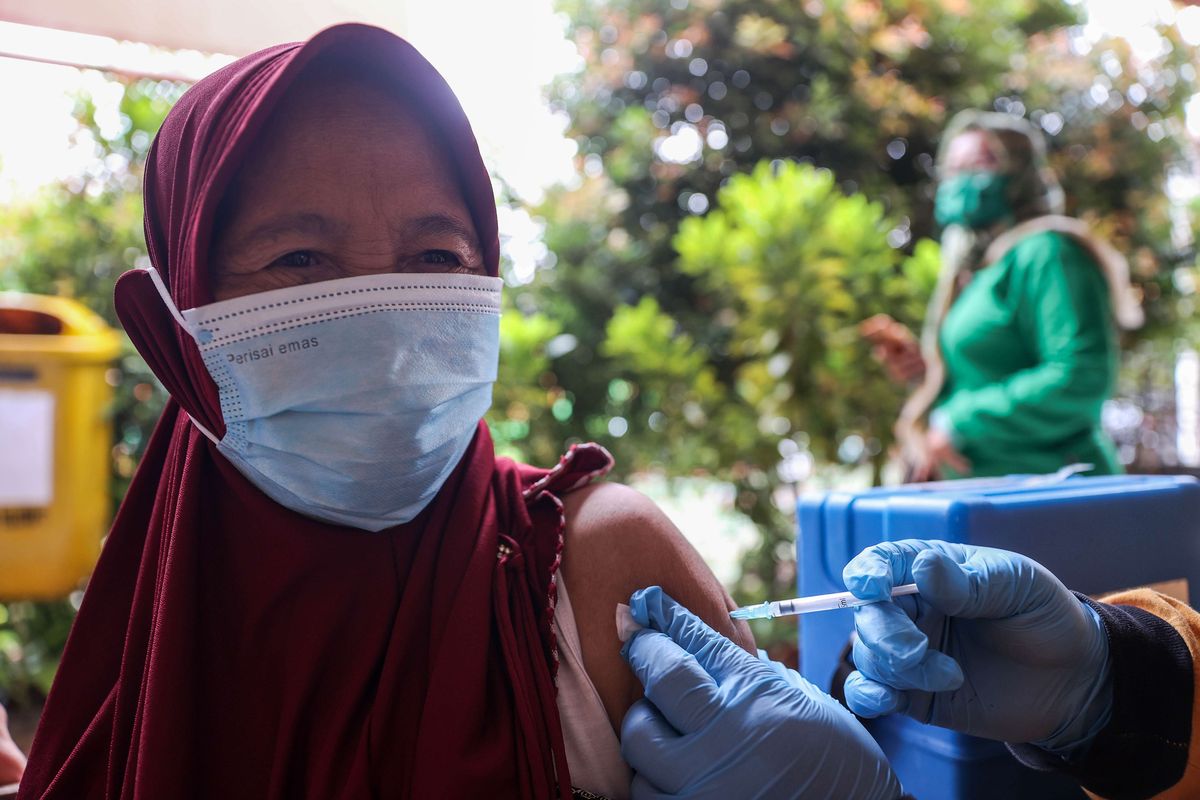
[{"x": 1019, "y": 349}]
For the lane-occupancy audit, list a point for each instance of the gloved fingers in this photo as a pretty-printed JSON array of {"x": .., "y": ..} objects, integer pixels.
[
  {"x": 910, "y": 604},
  {"x": 868, "y": 698},
  {"x": 987, "y": 584},
  {"x": 945, "y": 584},
  {"x": 719, "y": 656},
  {"x": 798, "y": 681},
  {"x": 934, "y": 672},
  {"x": 675, "y": 681},
  {"x": 888, "y": 631},
  {"x": 789, "y": 675},
  {"x": 651, "y": 746},
  {"x": 873, "y": 573}
]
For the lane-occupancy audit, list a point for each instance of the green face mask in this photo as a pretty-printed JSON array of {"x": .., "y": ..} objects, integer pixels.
[{"x": 972, "y": 199}]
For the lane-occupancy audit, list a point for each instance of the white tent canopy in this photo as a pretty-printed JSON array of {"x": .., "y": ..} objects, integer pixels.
[{"x": 232, "y": 27}]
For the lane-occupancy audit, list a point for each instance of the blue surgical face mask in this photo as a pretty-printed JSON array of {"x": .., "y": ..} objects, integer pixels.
[{"x": 351, "y": 401}]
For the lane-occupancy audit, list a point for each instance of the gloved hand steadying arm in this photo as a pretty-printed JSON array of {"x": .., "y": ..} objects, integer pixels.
[
  {"x": 994, "y": 646},
  {"x": 718, "y": 722}
]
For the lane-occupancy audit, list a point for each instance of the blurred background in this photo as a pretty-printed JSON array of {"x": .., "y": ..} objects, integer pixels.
[{"x": 699, "y": 202}]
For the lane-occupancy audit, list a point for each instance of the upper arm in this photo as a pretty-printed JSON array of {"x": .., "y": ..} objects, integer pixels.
[
  {"x": 1064, "y": 305},
  {"x": 617, "y": 541}
]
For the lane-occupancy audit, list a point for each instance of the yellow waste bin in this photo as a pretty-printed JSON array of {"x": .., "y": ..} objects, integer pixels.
[{"x": 55, "y": 439}]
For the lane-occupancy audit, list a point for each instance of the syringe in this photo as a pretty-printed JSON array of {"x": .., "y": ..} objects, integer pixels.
[{"x": 806, "y": 605}]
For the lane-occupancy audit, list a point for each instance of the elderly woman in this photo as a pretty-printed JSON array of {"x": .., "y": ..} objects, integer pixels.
[
  {"x": 1019, "y": 351},
  {"x": 322, "y": 582}
]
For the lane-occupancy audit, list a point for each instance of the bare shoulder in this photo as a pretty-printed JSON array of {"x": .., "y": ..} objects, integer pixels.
[{"x": 616, "y": 541}]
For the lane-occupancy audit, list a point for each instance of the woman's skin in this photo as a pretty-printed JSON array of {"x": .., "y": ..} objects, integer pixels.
[
  {"x": 894, "y": 346},
  {"x": 347, "y": 180},
  {"x": 344, "y": 181},
  {"x": 970, "y": 151},
  {"x": 617, "y": 541},
  {"x": 12, "y": 760}
]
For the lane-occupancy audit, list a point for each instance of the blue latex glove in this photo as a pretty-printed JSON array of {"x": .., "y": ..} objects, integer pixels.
[
  {"x": 720, "y": 723},
  {"x": 994, "y": 646}
]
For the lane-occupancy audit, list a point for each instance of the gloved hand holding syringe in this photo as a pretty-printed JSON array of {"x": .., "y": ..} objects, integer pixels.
[
  {"x": 807, "y": 605},
  {"x": 1027, "y": 662}
]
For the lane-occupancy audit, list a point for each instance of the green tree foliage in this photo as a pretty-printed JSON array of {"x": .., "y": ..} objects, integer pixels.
[
  {"x": 524, "y": 364},
  {"x": 32, "y": 636},
  {"x": 75, "y": 239},
  {"x": 795, "y": 266},
  {"x": 863, "y": 88},
  {"x": 713, "y": 327}
]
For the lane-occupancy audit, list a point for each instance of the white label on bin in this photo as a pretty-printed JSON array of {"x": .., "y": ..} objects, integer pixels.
[{"x": 26, "y": 448}]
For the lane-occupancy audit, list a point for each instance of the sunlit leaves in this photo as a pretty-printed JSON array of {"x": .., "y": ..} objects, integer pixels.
[
  {"x": 75, "y": 239},
  {"x": 800, "y": 265}
]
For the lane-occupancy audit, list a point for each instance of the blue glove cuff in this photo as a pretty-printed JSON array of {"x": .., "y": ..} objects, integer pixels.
[
  {"x": 1073, "y": 739},
  {"x": 1144, "y": 749}
]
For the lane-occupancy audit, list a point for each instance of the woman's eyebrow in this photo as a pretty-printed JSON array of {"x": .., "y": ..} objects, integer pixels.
[
  {"x": 303, "y": 222},
  {"x": 439, "y": 225}
]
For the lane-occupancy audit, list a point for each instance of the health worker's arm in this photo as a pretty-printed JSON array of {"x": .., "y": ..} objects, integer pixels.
[
  {"x": 1063, "y": 317},
  {"x": 994, "y": 645},
  {"x": 617, "y": 540},
  {"x": 1148, "y": 749}
]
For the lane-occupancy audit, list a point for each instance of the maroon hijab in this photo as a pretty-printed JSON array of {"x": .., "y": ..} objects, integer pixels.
[{"x": 230, "y": 648}]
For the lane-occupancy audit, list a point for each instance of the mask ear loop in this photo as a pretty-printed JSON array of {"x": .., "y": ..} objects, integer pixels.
[
  {"x": 157, "y": 280},
  {"x": 166, "y": 298}
]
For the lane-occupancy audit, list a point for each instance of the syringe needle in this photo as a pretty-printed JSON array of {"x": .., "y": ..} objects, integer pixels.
[{"x": 807, "y": 605}]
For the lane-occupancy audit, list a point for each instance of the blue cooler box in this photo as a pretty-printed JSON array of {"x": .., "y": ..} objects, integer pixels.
[{"x": 1097, "y": 534}]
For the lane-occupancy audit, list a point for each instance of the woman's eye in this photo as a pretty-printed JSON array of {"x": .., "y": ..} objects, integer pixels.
[
  {"x": 441, "y": 257},
  {"x": 298, "y": 258}
]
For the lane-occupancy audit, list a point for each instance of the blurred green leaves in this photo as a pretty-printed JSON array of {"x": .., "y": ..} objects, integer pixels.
[
  {"x": 75, "y": 239},
  {"x": 32, "y": 636},
  {"x": 524, "y": 365},
  {"x": 795, "y": 266},
  {"x": 646, "y": 342}
]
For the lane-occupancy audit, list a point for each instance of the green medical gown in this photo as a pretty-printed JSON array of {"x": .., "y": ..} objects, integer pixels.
[{"x": 1031, "y": 356}]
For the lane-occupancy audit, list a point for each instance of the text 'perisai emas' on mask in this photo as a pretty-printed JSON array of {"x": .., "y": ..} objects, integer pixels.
[{"x": 259, "y": 353}]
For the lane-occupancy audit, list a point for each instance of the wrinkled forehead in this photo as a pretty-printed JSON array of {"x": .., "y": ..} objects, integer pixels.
[{"x": 337, "y": 130}]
